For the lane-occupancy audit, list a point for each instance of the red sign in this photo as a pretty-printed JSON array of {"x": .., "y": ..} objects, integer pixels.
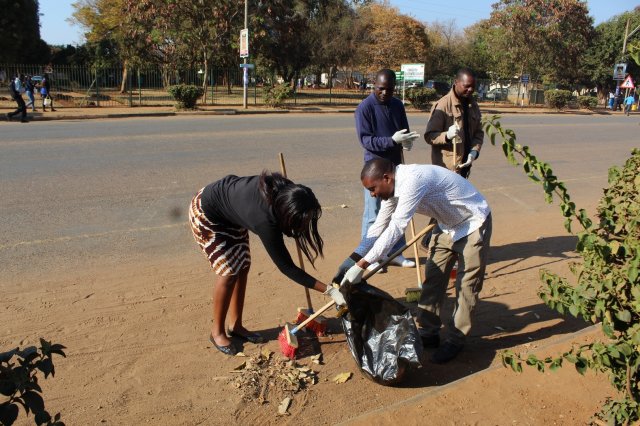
[{"x": 627, "y": 83}]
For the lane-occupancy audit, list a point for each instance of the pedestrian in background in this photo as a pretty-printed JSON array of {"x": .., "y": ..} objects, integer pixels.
[
  {"x": 612, "y": 98},
  {"x": 15, "y": 90},
  {"x": 45, "y": 93},
  {"x": 29, "y": 89},
  {"x": 628, "y": 103}
]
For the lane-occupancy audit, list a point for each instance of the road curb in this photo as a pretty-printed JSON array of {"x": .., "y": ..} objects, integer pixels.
[{"x": 301, "y": 110}]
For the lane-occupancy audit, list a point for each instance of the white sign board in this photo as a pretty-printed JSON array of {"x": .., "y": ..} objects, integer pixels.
[
  {"x": 619, "y": 71},
  {"x": 413, "y": 72},
  {"x": 244, "y": 43}
]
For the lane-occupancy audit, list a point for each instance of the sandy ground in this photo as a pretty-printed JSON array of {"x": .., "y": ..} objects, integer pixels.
[
  {"x": 138, "y": 352},
  {"x": 136, "y": 325}
]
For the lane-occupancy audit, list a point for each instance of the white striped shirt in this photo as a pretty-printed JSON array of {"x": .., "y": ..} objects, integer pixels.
[{"x": 430, "y": 190}]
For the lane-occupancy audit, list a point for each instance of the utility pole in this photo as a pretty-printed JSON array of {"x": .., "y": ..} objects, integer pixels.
[
  {"x": 628, "y": 36},
  {"x": 245, "y": 70}
]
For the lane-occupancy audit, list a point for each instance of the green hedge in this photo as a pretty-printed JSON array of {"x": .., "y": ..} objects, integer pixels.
[
  {"x": 587, "y": 102},
  {"x": 276, "y": 95},
  {"x": 557, "y": 99},
  {"x": 421, "y": 97},
  {"x": 186, "y": 95}
]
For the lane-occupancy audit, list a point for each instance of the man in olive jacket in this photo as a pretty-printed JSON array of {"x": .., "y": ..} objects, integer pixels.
[{"x": 456, "y": 118}]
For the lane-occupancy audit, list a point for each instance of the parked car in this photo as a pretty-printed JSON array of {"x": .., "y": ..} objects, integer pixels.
[
  {"x": 413, "y": 84},
  {"x": 440, "y": 87},
  {"x": 497, "y": 94}
]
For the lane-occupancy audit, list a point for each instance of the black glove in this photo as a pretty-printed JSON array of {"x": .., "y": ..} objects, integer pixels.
[{"x": 345, "y": 266}]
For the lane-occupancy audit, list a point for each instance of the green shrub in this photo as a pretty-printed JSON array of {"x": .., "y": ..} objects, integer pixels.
[
  {"x": 607, "y": 291},
  {"x": 276, "y": 95},
  {"x": 19, "y": 382},
  {"x": 421, "y": 97},
  {"x": 557, "y": 99},
  {"x": 587, "y": 102},
  {"x": 186, "y": 95}
]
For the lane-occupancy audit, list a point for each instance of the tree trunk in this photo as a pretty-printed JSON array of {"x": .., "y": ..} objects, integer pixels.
[
  {"x": 123, "y": 84},
  {"x": 205, "y": 77}
]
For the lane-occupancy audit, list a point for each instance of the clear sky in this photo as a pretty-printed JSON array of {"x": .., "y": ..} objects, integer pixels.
[{"x": 56, "y": 30}]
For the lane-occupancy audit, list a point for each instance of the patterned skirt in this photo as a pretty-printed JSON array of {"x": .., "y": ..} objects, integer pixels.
[{"x": 226, "y": 247}]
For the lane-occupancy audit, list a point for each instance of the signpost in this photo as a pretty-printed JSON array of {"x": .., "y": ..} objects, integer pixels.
[
  {"x": 244, "y": 53},
  {"x": 524, "y": 79},
  {"x": 619, "y": 71},
  {"x": 627, "y": 83}
]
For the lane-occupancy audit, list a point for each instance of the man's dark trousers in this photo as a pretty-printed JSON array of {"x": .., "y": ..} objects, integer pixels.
[{"x": 22, "y": 108}]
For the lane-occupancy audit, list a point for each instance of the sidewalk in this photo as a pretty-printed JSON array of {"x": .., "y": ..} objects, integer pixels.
[{"x": 64, "y": 113}]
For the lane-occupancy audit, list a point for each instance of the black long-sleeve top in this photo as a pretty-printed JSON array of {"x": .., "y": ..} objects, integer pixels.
[{"x": 237, "y": 201}]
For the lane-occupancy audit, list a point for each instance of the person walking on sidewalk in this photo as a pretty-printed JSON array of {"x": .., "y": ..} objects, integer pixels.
[
  {"x": 29, "y": 89},
  {"x": 15, "y": 90},
  {"x": 45, "y": 93},
  {"x": 269, "y": 205},
  {"x": 628, "y": 103},
  {"x": 383, "y": 130},
  {"x": 463, "y": 235}
]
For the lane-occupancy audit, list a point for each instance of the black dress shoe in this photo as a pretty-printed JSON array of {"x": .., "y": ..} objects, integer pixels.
[
  {"x": 430, "y": 341},
  {"x": 254, "y": 338},
  {"x": 227, "y": 350},
  {"x": 446, "y": 352}
]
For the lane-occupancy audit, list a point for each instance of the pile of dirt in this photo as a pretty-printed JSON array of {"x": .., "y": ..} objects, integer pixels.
[{"x": 268, "y": 379}]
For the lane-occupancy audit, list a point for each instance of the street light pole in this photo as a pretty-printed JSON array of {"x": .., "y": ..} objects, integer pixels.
[{"x": 245, "y": 70}]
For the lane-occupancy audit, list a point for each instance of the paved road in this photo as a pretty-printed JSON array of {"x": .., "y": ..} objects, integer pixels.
[{"x": 109, "y": 191}]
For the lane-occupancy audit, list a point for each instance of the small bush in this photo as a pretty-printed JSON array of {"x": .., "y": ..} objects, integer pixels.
[
  {"x": 19, "y": 382},
  {"x": 186, "y": 95},
  {"x": 276, "y": 95},
  {"x": 557, "y": 99},
  {"x": 587, "y": 102},
  {"x": 421, "y": 97}
]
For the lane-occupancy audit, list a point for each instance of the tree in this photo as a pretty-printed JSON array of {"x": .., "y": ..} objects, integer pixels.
[
  {"x": 544, "y": 38},
  {"x": 333, "y": 35},
  {"x": 393, "y": 38},
  {"x": 279, "y": 36},
  {"x": 444, "y": 57},
  {"x": 108, "y": 43},
  {"x": 20, "y": 42},
  {"x": 606, "y": 50}
]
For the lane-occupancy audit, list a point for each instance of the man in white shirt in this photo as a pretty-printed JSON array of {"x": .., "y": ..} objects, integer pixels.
[{"x": 464, "y": 234}]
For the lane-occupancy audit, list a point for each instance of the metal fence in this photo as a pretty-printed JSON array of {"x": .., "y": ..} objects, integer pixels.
[{"x": 77, "y": 86}]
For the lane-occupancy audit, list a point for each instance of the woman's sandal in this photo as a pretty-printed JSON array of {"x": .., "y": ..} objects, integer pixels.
[
  {"x": 254, "y": 338},
  {"x": 227, "y": 350}
]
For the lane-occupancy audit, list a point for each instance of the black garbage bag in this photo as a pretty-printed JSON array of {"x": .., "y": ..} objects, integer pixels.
[{"x": 381, "y": 333}]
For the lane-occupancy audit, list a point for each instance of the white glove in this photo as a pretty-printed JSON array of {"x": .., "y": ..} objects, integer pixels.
[
  {"x": 335, "y": 294},
  {"x": 453, "y": 132},
  {"x": 470, "y": 159},
  {"x": 404, "y": 138},
  {"x": 353, "y": 275}
]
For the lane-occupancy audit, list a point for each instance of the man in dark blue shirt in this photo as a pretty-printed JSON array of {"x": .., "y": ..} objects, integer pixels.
[{"x": 383, "y": 131}]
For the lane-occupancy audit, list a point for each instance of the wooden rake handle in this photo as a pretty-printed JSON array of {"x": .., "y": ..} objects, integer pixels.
[
  {"x": 283, "y": 168},
  {"x": 368, "y": 275}
]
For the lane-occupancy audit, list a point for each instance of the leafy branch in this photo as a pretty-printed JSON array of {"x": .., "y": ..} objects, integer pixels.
[
  {"x": 608, "y": 286},
  {"x": 19, "y": 382}
]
